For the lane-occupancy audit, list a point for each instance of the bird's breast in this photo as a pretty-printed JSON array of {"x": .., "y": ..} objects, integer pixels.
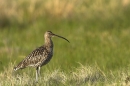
[{"x": 47, "y": 56}]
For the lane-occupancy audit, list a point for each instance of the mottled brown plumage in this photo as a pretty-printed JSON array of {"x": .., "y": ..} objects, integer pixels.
[{"x": 40, "y": 56}]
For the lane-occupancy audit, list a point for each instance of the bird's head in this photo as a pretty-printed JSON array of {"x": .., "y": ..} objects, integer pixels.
[{"x": 49, "y": 34}]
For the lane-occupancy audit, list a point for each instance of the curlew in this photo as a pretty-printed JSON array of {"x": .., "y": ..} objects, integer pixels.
[{"x": 40, "y": 56}]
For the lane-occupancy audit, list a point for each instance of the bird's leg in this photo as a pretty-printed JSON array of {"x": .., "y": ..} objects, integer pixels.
[
  {"x": 37, "y": 74},
  {"x": 39, "y": 70}
]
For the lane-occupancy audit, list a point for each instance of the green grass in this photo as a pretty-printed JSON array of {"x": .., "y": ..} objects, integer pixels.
[
  {"x": 80, "y": 76},
  {"x": 98, "y": 32}
]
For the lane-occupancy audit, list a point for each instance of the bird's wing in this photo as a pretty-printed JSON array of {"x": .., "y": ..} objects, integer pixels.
[{"x": 34, "y": 58}]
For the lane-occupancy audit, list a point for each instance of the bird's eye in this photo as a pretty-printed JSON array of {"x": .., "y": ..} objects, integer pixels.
[{"x": 49, "y": 32}]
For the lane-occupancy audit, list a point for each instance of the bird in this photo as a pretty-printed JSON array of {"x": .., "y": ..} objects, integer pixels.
[{"x": 40, "y": 56}]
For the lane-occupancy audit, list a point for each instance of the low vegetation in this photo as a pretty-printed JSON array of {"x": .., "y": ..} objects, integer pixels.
[
  {"x": 81, "y": 76},
  {"x": 98, "y": 31}
]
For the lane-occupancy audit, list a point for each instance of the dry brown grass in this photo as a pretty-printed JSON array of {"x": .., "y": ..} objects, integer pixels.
[
  {"x": 59, "y": 8},
  {"x": 25, "y": 11}
]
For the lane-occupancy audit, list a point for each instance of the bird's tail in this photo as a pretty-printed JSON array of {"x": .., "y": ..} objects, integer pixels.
[
  {"x": 19, "y": 66},
  {"x": 16, "y": 68}
]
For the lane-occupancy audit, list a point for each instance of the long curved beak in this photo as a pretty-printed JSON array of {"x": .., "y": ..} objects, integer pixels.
[{"x": 61, "y": 37}]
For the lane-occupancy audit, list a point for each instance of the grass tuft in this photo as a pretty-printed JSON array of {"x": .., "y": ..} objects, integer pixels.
[{"x": 82, "y": 76}]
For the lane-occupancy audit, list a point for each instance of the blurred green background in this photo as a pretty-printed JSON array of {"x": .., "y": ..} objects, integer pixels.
[{"x": 98, "y": 31}]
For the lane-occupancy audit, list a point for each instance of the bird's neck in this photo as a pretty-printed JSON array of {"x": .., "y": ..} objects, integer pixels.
[{"x": 48, "y": 43}]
